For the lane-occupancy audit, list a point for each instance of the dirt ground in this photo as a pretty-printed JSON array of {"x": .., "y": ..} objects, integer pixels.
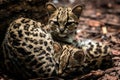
[{"x": 99, "y": 21}]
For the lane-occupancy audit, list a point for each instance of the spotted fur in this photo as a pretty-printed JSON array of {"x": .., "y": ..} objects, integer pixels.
[
  {"x": 98, "y": 55},
  {"x": 63, "y": 22},
  {"x": 28, "y": 50},
  {"x": 69, "y": 58},
  {"x": 32, "y": 50},
  {"x": 90, "y": 56}
]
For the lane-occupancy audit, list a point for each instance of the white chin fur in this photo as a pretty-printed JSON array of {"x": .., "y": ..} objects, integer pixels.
[{"x": 62, "y": 35}]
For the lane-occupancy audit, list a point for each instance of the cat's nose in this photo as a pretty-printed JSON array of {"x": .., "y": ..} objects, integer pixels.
[{"x": 62, "y": 30}]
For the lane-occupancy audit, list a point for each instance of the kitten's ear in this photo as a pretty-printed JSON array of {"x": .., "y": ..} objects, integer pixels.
[
  {"x": 79, "y": 56},
  {"x": 50, "y": 7},
  {"x": 77, "y": 10}
]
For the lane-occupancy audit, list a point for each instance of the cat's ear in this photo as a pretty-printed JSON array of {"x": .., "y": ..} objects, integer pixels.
[
  {"x": 79, "y": 56},
  {"x": 77, "y": 10},
  {"x": 50, "y": 7}
]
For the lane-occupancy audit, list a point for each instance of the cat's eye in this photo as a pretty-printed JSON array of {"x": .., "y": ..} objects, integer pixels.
[
  {"x": 55, "y": 22},
  {"x": 69, "y": 23},
  {"x": 76, "y": 23}
]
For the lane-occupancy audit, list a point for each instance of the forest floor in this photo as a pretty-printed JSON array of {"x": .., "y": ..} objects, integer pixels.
[{"x": 103, "y": 25}]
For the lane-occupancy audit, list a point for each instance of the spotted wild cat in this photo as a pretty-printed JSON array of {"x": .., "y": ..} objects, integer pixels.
[{"x": 30, "y": 49}]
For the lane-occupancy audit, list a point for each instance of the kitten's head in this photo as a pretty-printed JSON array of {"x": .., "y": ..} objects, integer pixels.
[{"x": 63, "y": 20}]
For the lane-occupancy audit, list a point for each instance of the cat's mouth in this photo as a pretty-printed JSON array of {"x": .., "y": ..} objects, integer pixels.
[{"x": 62, "y": 35}]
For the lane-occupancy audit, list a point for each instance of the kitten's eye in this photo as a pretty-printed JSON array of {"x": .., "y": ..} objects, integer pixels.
[
  {"x": 68, "y": 23},
  {"x": 76, "y": 23},
  {"x": 56, "y": 23}
]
